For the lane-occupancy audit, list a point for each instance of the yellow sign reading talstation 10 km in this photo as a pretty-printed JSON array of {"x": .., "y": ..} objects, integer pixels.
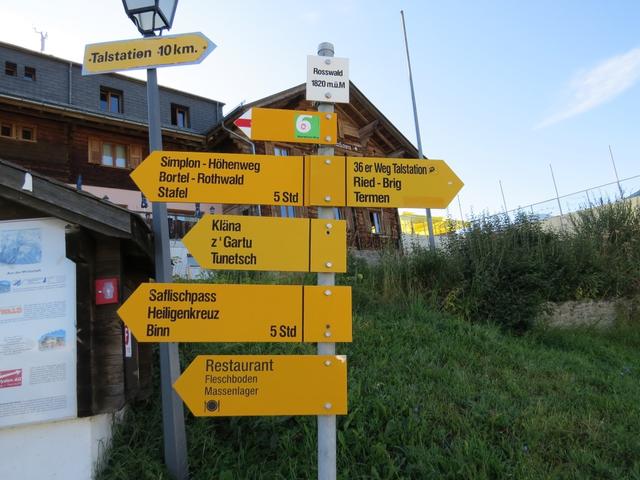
[
  {"x": 241, "y": 385},
  {"x": 170, "y": 50},
  {"x": 179, "y": 312},
  {"x": 233, "y": 242}
]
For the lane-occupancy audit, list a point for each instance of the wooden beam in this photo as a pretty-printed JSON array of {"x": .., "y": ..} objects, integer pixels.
[
  {"x": 56, "y": 199},
  {"x": 364, "y": 133},
  {"x": 397, "y": 153}
]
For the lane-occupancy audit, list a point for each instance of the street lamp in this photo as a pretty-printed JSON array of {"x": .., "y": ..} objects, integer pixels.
[{"x": 151, "y": 15}]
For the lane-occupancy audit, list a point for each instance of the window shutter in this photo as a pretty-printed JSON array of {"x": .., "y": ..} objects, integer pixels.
[
  {"x": 135, "y": 155},
  {"x": 95, "y": 150}
]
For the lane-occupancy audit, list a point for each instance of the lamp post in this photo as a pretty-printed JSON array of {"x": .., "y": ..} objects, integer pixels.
[{"x": 151, "y": 16}]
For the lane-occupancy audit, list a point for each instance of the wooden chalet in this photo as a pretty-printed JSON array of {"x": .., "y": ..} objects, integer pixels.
[
  {"x": 363, "y": 131},
  {"x": 92, "y": 130}
]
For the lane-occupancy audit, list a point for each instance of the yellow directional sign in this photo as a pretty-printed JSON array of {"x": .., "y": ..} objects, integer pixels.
[
  {"x": 382, "y": 182},
  {"x": 233, "y": 242},
  {"x": 170, "y": 50},
  {"x": 289, "y": 126},
  {"x": 178, "y": 312},
  {"x": 221, "y": 178},
  {"x": 260, "y": 385},
  {"x": 313, "y": 180}
]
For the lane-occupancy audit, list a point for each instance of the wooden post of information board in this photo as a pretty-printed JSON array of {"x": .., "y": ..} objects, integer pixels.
[{"x": 326, "y": 423}]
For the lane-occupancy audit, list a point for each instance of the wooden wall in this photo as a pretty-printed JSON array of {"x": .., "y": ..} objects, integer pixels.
[{"x": 61, "y": 148}]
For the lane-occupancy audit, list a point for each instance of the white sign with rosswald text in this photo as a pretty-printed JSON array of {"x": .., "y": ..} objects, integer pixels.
[
  {"x": 37, "y": 323},
  {"x": 327, "y": 79}
]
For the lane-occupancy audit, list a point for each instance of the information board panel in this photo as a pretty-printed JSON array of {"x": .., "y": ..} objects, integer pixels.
[{"x": 37, "y": 323}]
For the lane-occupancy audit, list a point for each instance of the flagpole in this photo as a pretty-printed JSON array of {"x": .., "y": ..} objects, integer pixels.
[{"x": 432, "y": 240}]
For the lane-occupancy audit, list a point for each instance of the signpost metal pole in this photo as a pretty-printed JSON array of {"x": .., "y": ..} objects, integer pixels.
[
  {"x": 432, "y": 240},
  {"x": 175, "y": 443},
  {"x": 326, "y": 423}
]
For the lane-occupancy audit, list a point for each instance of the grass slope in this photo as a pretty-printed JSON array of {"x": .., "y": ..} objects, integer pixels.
[{"x": 430, "y": 396}]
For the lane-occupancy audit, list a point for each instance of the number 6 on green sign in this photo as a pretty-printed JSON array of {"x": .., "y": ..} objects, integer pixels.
[{"x": 307, "y": 126}]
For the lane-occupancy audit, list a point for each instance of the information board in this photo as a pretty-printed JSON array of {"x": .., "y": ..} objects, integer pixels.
[{"x": 37, "y": 323}]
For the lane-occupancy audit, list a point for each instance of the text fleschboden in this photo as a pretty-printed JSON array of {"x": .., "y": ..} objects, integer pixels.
[
  {"x": 382, "y": 175},
  {"x": 229, "y": 241},
  {"x": 232, "y": 378},
  {"x": 171, "y": 314},
  {"x": 237, "y": 177}
]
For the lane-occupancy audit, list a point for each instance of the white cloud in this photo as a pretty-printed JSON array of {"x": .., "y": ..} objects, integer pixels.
[{"x": 602, "y": 83}]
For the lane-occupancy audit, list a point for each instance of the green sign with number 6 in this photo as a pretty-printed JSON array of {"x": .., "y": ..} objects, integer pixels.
[{"x": 307, "y": 126}]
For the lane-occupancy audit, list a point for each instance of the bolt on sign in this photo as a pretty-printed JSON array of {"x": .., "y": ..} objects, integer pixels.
[
  {"x": 234, "y": 242},
  {"x": 244, "y": 385},
  {"x": 329, "y": 181},
  {"x": 327, "y": 79},
  {"x": 293, "y": 126},
  {"x": 170, "y": 50}
]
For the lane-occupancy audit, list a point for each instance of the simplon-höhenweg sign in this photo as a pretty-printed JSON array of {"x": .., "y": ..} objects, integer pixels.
[{"x": 295, "y": 180}]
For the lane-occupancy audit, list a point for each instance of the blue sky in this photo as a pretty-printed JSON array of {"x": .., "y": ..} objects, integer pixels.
[{"x": 504, "y": 88}]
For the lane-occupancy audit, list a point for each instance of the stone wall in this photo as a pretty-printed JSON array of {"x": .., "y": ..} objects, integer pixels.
[{"x": 591, "y": 313}]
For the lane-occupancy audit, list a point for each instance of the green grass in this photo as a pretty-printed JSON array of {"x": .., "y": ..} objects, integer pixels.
[{"x": 430, "y": 396}]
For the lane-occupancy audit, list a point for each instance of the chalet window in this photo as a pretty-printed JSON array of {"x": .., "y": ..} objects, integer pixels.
[
  {"x": 281, "y": 151},
  {"x": 376, "y": 224},
  {"x": 30, "y": 73},
  {"x": 6, "y": 130},
  {"x": 28, "y": 134},
  {"x": 287, "y": 211},
  {"x": 110, "y": 100},
  {"x": 180, "y": 116},
  {"x": 114, "y": 154},
  {"x": 11, "y": 69}
]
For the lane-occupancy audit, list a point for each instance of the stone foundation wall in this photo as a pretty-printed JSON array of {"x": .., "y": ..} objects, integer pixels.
[{"x": 591, "y": 313}]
